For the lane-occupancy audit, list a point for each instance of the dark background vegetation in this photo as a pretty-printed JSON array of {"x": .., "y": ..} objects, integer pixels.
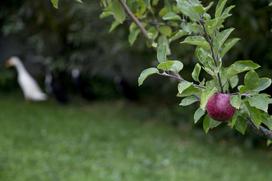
[{"x": 75, "y": 37}]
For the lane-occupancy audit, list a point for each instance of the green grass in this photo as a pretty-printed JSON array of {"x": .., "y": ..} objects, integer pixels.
[{"x": 112, "y": 141}]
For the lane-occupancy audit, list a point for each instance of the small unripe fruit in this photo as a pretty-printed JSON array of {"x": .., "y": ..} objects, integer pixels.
[{"x": 219, "y": 107}]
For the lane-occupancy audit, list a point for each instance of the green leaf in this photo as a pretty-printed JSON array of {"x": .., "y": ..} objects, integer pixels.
[
  {"x": 178, "y": 35},
  {"x": 242, "y": 89},
  {"x": 199, "y": 9},
  {"x": 141, "y": 8},
  {"x": 163, "y": 49},
  {"x": 145, "y": 74},
  {"x": 228, "y": 45},
  {"x": 256, "y": 115},
  {"x": 234, "y": 81},
  {"x": 196, "y": 72},
  {"x": 264, "y": 83},
  {"x": 236, "y": 101},
  {"x": 133, "y": 33},
  {"x": 213, "y": 25},
  {"x": 196, "y": 40},
  {"x": 105, "y": 14},
  {"x": 114, "y": 25},
  {"x": 223, "y": 36},
  {"x": 182, "y": 86},
  {"x": 268, "y": 121},
  {"x": 152, "y": 33},
  {"x": 171, "y": 65},
  {"x": 205, "y": 95},
  {"x": 189, "y": 91},
  {"x": 233, "y": 120},
  {"x": 188, "y": 101},
  {"x": 209, "y": 123},
  {"x": 118, "y": 11},
  {"x": 241, "y": 66},
  {"x": 55, "y": 3},
  {"x": 241, "y": 125},
  {"x": 251, "y": 80},
  {"x": 171, "y": 16},
  {"x": 220, "y": 7},
  {"x": 193, "y": 9},
  {"x": 205, "y": 58},
  {"x": 191, "y": 27},
  {"x": 211, "y": 83},
  {"x": 206, "y": 124},
  {"x": 198, "y": 114},
  {"x": 260, "y": 101},
  {"x": 226, "y": 12},
  {"x": 209, "y": 6},
  {"x": 165, "y": 30},
  {"x": 163, "y": 11}
]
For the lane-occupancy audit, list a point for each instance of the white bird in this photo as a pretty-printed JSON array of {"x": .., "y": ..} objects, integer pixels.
[{"x": 29, "y": 86}]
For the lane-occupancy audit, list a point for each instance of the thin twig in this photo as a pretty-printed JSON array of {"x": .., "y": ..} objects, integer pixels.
[
  {"x": 171, "y": 76},
  {"x": 179, "y": 78},
  {"x": 215, "y": 58},
  {"x": 261, "y": 130},
  {"x": 134, "y": 18}
]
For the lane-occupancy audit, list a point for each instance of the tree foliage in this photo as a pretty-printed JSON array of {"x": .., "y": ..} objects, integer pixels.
[{"x": 192, "y": 23}]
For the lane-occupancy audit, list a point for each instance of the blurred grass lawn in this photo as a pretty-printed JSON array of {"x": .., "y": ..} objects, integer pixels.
[{"x": 112, "y": 141}]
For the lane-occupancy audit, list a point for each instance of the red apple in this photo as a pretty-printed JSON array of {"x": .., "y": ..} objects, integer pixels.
[{"x": 219, "y": 107}]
